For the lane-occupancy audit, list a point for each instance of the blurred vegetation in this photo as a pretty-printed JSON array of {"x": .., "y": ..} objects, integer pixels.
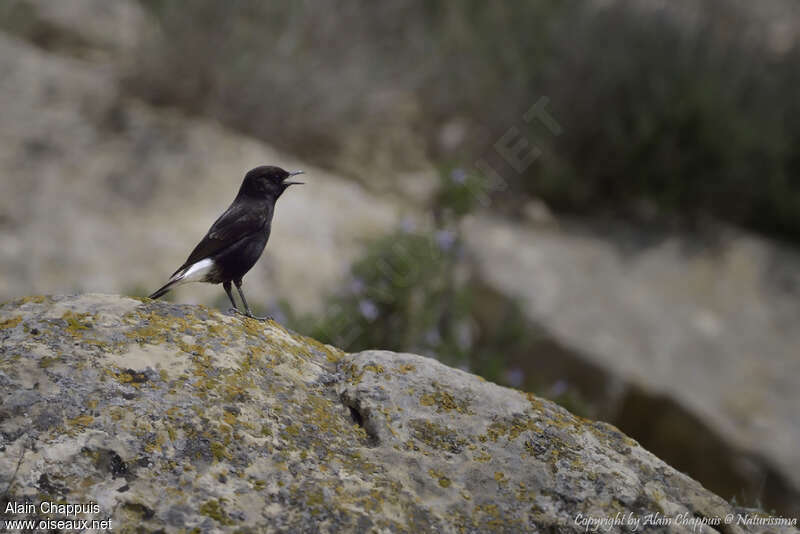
[
  {"x": 663, "y": 119},
  {"x": 402, "y": 295},
  {"x": 411, "y": 291},
  {"x": 408, "y": 292}
]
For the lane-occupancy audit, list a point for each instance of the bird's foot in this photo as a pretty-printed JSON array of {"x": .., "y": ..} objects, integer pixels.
[
  {"x": 257, "y": 318},
  {"x": 251, "y": 315}
]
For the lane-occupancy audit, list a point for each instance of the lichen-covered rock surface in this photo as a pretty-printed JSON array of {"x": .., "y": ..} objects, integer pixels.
[{"x": 183, "y": 419}]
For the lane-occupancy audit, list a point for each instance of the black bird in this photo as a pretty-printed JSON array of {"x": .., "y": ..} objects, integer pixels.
[{"x": 236, "y": 240}]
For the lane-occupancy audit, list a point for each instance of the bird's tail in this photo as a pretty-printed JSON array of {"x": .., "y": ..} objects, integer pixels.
[
  {"x": 195, "y": 272},
  {"x": 163, "y": 290}
]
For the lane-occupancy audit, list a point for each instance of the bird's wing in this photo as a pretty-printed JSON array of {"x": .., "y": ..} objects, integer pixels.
[{"x": 239, "y": 221}]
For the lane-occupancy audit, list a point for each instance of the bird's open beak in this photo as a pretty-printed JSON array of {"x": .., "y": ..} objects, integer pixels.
[{"x": 295, "y": 173}]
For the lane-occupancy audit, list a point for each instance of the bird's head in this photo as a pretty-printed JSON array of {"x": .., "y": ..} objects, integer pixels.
[{"x": 267, "y": 182}]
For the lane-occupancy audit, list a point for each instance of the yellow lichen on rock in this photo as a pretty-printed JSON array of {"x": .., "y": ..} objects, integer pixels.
[{"x": 178, "y": 415}]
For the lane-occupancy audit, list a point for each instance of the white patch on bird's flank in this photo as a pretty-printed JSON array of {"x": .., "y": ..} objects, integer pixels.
[{"x": 196, "y": 272}]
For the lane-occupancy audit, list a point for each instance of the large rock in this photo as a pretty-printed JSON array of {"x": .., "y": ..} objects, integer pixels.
[
  {"x": 101, "y": 193},
  {"x": 96, "y": 29},
  {"x": 692, "y": 346},
  {"x": 173, "y": 418}
]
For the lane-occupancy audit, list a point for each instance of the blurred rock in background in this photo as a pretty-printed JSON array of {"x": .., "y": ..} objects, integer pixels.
[
  {"x": 691, "y": 347},
  {"x": 624, "y": 253}
]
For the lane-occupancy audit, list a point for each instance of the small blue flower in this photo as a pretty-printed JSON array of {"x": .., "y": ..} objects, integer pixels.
[
  {"x": 515, "y": 377},
  {"x": 463, "y": 335},
  {"x": 433, "y": 337},
  {"x": 559, "y": 388},
  {"x": 357, "y": 286},
  {"x": 407, "y": 225},
  {"x": 368, "y": 309},
  {"x": 445, "y": 239},
  {"x": 458, "y": 175}
]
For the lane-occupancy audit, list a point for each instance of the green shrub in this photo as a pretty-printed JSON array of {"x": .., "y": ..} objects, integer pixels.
[
  {"x": 402, "y": 295},
  {"x": 664, "y": 116},
  {"x": 682, "y": 122}
]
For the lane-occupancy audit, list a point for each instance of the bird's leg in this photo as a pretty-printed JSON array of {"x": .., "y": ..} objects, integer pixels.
[
  {"x": 246, "y": 307},
  {"x": 227, "y": 286}
]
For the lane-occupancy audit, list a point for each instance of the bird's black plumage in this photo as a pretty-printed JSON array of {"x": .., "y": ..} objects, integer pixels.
[{"x": 237, "y": 238}]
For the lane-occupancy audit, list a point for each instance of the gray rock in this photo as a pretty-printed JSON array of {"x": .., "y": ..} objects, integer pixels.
[
  {"x": 92, "y": 28},
  {"x": 692, "y": 348},
  {"x": 176, "y": 418}
]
